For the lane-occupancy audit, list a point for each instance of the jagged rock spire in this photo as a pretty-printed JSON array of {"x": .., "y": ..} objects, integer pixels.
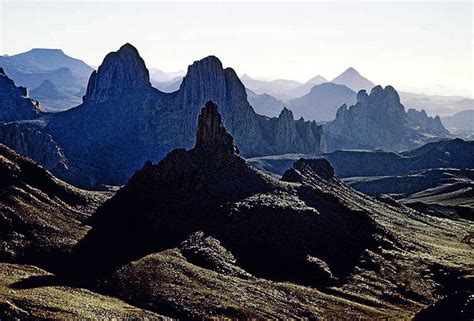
[{"x": 211, "y": 135}]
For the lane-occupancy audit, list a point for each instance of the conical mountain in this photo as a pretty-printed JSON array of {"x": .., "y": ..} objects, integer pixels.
[{"x": 354, "y": 80}]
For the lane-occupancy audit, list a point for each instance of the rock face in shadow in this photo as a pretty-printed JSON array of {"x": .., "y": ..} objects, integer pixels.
[
  {"x": 273, "y": 229},
  {"x": 379, "y": 121},
  {"x": 123, "y": 114},
  {"x": 40, "y": 216},
  {"x": 35, "y": 145},
  {"x": 14, "y": 101}
]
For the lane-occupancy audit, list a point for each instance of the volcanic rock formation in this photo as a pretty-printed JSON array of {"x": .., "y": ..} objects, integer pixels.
[
  {"x": 273, "y": 228},
  {"x": 379, "y": 121},
  {"x": 134, "y": 122}
]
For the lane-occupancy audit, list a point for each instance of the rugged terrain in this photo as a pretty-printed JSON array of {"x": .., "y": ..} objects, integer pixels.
[
  {"x": 40, "y": 216},
  {"x": 215, "y": 238},
  {"x": 202, "y": 234},
  {"x": 379, "y": 121},
  {"x": 124, "y": 114}
]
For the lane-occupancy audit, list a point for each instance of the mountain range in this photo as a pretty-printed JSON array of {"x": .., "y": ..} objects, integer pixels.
[
  {"x": 123, "y": 114},
  {"x": 202, "y": 234},
  {"x": 59, "y": 78},
  {"x": 379, "y": 121}
]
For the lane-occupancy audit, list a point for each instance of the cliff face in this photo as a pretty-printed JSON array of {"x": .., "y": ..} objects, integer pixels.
[
  {"x": 120, "y": 72},
  {"x": 425, "y": 122},
  {"x": 14, "y": 101},
  {"x": 34, "y": 144},
  {"x": 379, "y": 121},
  {"x": 134, "y": 122}
]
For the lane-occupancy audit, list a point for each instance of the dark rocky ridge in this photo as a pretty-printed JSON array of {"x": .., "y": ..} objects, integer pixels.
[
  {"x": 42, "y": 148},
  {"x": 35, "y": 145},
  {"x": 40, "y": 216},
  {"x": 217, "y": 234},
  {"x": 274, "y": 229},
  {"x": 14, "y": 101},
  {"x": 123, "y": 114},
  {"x": 379, "y": 121}
]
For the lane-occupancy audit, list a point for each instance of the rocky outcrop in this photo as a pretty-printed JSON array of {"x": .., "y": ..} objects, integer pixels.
[
  {"x": 36, "y": 145},
  {"x": 14, "y": 101},
  {"x": 427, "y": 123},
  {"x": 120, "y": 72},
  {"x": 273, "y": 229},
  {"x": 134, "y": 122},
  {"x": 378, "y": 121}
]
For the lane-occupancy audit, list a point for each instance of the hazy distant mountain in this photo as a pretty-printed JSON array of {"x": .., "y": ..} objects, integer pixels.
[
  {"x": 379, "y": 121},
  {"x": 306, "y": 87},
  {"x": 40, "y": 59},
  {"x": 279, "y": 88},
  {"x": 124, "y": 115},
  {"x": 68, "y": 75},
  {"x": 354, "y": 80},
  {"x": 265, "y": 104},
  {"x": 322, "y": 102},
  {"x": 48, "y": 94},
  {"x": 436, "y": 104},
  {"x": 15, "y": 103},
  {"x": 167, "y": 86},
  {"x": 463, "y": 120},
  {"x": 157, "y": 75}
]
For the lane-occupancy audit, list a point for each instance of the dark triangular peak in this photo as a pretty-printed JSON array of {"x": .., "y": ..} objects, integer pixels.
[{"x": 120, "y": 72}]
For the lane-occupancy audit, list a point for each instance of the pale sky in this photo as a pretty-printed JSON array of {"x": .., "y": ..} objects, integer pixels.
[{"x": 422, "y": 46}]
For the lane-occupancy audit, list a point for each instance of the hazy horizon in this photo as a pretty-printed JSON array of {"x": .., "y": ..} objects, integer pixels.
[{"x": 420, "y": 47}]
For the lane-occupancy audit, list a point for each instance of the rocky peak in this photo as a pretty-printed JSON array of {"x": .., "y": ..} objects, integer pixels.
[
  {"x": 206, "y": 79},
  {"x": 286, "y": 114},
  {"x": 120, "y": 72},
  {"x": 212, "y": 137},
  {"x": 315, "y": 168},
  {"x": 362, "y": 97}
]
